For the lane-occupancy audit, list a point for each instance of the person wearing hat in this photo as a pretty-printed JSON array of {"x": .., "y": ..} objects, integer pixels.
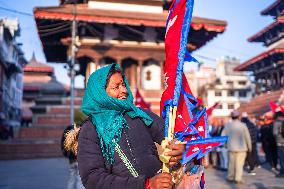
[
  {"x": 239, "y": 144},
  {"x": 278, "y": 132}
]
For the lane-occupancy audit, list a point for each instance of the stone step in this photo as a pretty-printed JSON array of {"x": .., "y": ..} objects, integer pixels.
[
  {"x": 29, "y": 149},
  {"x": 63, "y": 109},
  {"x": 51, "y": 120},
  {"x": 77, "y": 101},
  {"x": 40, "y": 132}
]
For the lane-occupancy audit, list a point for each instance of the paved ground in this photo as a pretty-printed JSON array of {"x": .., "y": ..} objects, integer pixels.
[
  {"x": 264, "y": 179},
  {"x": 52, "y": 174},
  {"x": 34, "y": 174}
]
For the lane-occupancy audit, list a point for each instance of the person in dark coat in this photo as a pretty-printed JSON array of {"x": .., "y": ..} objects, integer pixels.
[
  {"x": 269, "y": 144},
  {"x": 278, "y": 132},
  {"x": 252, "y": 157},
  {"x": 117, "y": 143}
]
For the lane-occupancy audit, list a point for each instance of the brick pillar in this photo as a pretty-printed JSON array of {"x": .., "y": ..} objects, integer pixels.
[
  {"x": 133, "y": 75},
  {"x": 139, "y": 72},
  {"x": 162, "y": 74},
  {"x": 118, "y": 61},
  {"x": 91, "y": 67}
]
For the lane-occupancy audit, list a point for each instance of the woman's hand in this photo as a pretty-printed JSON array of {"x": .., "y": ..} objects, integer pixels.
[
  {"x": 161, "y": 181},
  {"x": 176, "y": 151}
]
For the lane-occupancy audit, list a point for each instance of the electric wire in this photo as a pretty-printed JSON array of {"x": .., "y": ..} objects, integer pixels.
[{"x": 15, "y": 11}]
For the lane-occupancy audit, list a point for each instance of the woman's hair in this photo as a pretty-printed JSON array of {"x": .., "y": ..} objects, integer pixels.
[{"x": 112, "y": 71}]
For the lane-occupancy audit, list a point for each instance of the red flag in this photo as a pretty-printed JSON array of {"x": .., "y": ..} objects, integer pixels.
[
  {"x": 140, "y": 102},
  {"x": 274, "y": 107},
  {"x": 210, "y": 110}
]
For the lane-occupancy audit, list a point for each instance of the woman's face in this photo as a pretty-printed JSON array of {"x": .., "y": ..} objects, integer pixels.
[{"x": 116, "y": 87}]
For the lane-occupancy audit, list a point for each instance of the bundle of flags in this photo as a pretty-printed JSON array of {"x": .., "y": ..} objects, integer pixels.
[{"x": 185, "y": 119}]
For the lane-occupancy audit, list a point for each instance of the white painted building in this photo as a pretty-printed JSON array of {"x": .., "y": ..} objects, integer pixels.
[
  {"x": 11, "y": 77},
  {"x": 230, "y": 88},
  {"x": 198, "y": 78}
]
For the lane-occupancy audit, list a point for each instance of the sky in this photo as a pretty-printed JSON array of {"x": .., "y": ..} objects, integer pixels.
[{"x": 243, "y": 18}]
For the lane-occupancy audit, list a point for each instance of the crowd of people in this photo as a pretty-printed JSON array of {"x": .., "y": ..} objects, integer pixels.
[{"x": 242, "y": 149}]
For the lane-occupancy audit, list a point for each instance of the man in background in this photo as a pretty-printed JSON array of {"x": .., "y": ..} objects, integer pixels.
[
  {"x": 252, "y": 157},
  {"x": 278, "y": 132},
  {"x": 239, "y": 144}
]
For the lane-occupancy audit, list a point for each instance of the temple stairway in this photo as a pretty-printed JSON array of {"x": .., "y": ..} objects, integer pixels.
[
  {"x": 43, "y": 138},
  {"x": 50, "y": 117}
]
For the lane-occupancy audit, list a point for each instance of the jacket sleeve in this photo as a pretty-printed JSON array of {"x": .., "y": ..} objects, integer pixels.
[
  {"x": 157, "y": 127},
  {"x": 92, "y": 168},
  {"x": 247, "y": 138},
  {"x": 275, "y": 128}
]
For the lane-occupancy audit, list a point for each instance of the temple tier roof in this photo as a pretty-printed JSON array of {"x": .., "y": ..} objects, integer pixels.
[
  {"x": 37, "y": 67},
  {"x": 275, "y": 9},
  {"x": 265, "y": 59},
  {"x": 270, "y": 34},
  {"x": 54, "y": 24},
  {"x": 40, "y": 77}
]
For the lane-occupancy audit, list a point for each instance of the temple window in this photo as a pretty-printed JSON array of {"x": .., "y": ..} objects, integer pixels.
[
  {"x": 129, "y": 68},
  {"x": 148, "y": 77},
  {"x": 106, "y": 61},
  {"x": 151, "y": 75}
]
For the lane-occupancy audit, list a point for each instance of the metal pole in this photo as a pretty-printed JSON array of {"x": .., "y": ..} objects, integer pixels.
[{"x": 72, "y": 64}]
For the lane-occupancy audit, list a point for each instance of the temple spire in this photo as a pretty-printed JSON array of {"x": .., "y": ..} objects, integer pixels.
[{"x": 33, "y": 57}]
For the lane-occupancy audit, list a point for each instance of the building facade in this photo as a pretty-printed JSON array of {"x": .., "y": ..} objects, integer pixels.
[
  {"x": 199, "y": 78},
  {"x": 229, "y": 89},
  {"x": 11, "y": 76},
  {"x": 130, "y": 33},
  {"x": 267, "y": 67}
]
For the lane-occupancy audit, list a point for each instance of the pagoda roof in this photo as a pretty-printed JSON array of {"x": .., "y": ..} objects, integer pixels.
[
  {"x": 54, "y": 24},
  {"x": 272, "y": 9},
  {"x": 35, "y": 66},
  {"x": 65, "y": 12},
  {"x": 156, "y": 2},
  {"x": 248, "y": 65},
  {"x": 260, "y": 36}
]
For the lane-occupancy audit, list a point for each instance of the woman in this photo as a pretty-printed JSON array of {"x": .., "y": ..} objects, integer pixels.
[{"x": 116, "y": 144}]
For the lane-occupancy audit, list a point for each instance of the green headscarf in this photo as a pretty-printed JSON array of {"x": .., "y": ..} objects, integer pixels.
[{"x": 107, "y": 112}]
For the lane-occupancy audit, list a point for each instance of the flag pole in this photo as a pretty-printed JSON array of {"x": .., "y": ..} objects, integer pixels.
[{"x": 172, "y": 119}]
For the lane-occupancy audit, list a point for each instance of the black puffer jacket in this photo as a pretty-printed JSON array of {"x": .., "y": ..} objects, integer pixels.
[
  {"x": 253, "y": 131},
  {"x": 137, "y": 143}
]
